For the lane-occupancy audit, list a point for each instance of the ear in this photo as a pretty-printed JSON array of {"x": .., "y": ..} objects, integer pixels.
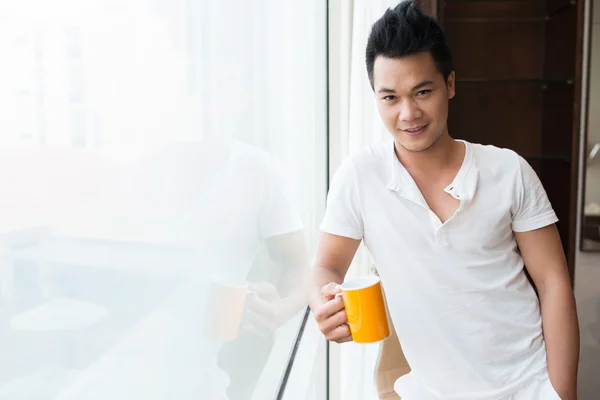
[{"x": 451, "y": 88}]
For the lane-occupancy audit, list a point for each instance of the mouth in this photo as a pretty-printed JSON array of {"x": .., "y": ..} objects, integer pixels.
[{"x": 416, "y": 131}]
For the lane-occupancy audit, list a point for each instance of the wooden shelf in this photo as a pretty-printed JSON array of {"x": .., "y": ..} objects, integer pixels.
[
  {"x": 486, "y": 1},
  {"x": 549, "y": 157},
  {"x": 568, "y": 81},
  {"x": 517, "y": 63}
]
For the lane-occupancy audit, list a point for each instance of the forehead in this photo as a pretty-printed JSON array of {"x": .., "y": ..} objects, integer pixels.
[{"x": 405, "y": 72}]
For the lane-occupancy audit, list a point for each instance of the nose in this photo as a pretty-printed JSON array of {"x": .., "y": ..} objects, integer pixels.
[{"x": 409, "y": 111}]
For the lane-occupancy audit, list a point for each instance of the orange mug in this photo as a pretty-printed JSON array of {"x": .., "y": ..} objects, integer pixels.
[
  {"x": 226, "y": 304},
  {"x": 366, "y": 309}
]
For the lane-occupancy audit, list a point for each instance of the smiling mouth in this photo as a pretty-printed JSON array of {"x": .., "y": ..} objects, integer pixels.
[{"x": 415, "y": 131}]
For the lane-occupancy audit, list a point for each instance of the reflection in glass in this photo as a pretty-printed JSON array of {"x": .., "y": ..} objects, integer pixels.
[{"x": 158, "y": 217}]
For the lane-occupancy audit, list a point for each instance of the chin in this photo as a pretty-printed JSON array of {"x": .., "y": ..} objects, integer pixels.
[
  {"x": 416, "y": 145},
  {"x": 415, "y": 149}
]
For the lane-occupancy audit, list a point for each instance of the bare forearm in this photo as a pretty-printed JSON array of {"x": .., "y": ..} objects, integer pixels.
[
  {"x": 290, "y": 255},
  {"x": 294, "y": 286},
  {"x": 561, "y": 332},
  {"x": 296, "y": 296},
  {"x": 321, "y": 276}
]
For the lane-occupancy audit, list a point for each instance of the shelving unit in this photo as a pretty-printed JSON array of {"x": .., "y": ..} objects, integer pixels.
[{"x": 518, "y": 66}]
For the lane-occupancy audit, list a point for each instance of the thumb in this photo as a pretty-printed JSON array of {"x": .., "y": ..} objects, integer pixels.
[
  {"x": 263, "y": 289},
  {"x": 329, "y": 291}
]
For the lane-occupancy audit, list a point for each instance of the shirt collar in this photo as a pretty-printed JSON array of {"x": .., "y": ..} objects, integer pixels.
[{"x": 462, "y": 187}]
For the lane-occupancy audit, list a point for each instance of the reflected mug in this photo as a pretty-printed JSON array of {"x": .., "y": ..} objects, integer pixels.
[
  {"x": 227, "y": 300},
  {"x": 366, "y": 309}
]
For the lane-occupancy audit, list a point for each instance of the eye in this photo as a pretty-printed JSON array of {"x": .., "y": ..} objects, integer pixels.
[
  {"x": 389, "y": 98},
  {"x": 423, "y": 92}
]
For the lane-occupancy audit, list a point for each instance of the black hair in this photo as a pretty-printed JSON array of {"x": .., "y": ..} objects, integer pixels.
[{"x": 405, "y": 30}]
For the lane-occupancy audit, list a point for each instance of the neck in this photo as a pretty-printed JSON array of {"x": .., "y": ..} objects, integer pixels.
[{"x": 438, "y": 157}]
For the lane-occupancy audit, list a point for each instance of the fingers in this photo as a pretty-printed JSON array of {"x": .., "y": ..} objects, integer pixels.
[
  {"x": 327, "y": 310},
  {"x": 262, "y": 307},
  {"x": 257, "y": 319},
  {"x": 331, "y": 316},
  {"x": 329, "y": 291},
  {"x": 264, "y": 290},
  {"x": 341, "y": 334},
  {"x": 333, "y": 322}
]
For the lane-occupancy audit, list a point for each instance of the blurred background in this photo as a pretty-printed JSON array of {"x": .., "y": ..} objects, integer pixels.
[{"x": 164, "y": 167}]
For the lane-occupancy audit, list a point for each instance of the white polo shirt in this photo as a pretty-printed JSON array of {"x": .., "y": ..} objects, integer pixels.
[{"x": 468, "y": 318}]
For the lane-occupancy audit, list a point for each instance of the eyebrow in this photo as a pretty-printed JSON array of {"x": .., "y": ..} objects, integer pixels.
[
  {"x": 422, "y": 85},
  {"x": 417, "y": 87}
]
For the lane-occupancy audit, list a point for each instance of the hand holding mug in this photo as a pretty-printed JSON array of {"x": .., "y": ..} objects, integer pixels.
[
  {"x": 359, "y": 314},
  {"x": 331, "y": 315},
  {"x": 263, "y": 314}
]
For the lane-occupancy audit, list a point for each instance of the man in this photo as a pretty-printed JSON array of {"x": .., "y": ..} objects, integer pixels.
[{"x": 450, "y": 225}]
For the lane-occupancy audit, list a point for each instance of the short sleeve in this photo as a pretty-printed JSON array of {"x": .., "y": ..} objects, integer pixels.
[
  {"x": 278, "y": 211},
  {"x": 343, "y": 216},
  {"x": 531, "y": 208}
]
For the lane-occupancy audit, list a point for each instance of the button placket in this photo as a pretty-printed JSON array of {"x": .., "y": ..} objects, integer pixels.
[
  {"x": 441, "y": 236},
  {"x": 435, "y": 222}
]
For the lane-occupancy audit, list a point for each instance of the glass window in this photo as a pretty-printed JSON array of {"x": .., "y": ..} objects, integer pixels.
[{"x": 157, "y": 243}]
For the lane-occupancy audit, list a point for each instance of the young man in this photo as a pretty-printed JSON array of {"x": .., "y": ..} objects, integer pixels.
[{"x": 450, "y": 225}]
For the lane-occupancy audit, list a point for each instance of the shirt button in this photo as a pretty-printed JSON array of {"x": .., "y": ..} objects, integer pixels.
[{"x": 443, "y": 240}]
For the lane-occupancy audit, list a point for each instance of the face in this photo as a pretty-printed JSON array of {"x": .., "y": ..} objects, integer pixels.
[{"x": 412, "y": 99}]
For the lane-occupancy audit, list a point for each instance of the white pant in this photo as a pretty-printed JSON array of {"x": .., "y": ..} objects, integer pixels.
[{"x": 539, "y": 389}]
